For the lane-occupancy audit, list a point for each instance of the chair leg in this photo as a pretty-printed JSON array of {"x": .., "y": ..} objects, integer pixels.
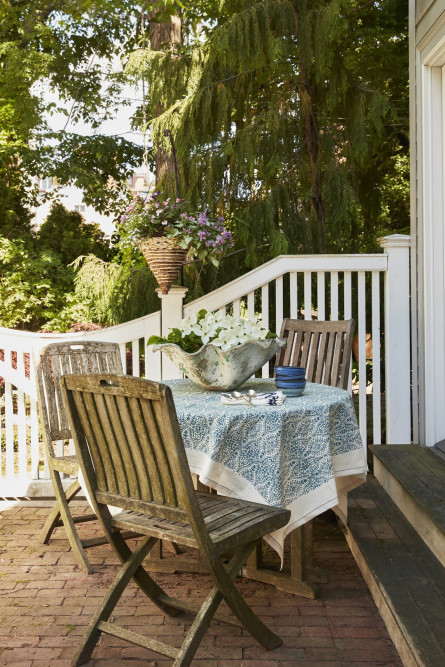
[
  {"x": 70, "y": 528},
  {"x": 54, "y": 516},
  {"x": 141, "y": 576},
  {"x": 224, "y": 579},
  {"x": 132, "y": 569},
  {"x": 225, "y": 588},
  {"x": 110, "y": 601}
]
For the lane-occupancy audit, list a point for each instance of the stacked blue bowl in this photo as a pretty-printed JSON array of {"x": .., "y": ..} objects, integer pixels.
[{"x": 290, "y": 379}]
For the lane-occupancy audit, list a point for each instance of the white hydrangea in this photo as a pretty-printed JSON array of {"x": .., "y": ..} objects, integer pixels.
[{"x": 224, "y": 331}]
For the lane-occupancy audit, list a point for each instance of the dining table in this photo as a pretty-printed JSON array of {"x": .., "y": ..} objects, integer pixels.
[{"x": 303, "y": 453}]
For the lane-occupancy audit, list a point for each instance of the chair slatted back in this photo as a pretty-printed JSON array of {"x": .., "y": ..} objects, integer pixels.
[
  {"x": 130, "y": 446},
  {"x": 67, "y": 358},
  {"x": 323, "y": 348}
]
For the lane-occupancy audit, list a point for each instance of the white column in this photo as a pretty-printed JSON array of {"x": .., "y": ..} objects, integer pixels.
[
  {"x": 397, "y": 340},
  {"x": 171, "y": 316}
]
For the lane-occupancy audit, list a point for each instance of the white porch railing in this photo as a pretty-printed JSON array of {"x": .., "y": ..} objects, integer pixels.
[{"x": 372, "y": 288}]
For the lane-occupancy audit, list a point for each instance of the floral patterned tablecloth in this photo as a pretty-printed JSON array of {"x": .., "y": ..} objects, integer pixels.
[{"x": 303, "y": 455}]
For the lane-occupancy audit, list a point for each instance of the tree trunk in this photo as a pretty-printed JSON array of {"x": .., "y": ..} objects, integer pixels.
[
  {"x": 161, "y": 36},
  {"x": 312, "y": 143}
]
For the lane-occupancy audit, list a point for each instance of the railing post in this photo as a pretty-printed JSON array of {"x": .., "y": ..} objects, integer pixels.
[
  {"x": 171, "y": 316},
  {"x": 397, "y": 340}
]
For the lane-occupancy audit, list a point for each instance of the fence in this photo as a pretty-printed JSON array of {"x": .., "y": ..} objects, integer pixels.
[{"x": 374, "y": 289}]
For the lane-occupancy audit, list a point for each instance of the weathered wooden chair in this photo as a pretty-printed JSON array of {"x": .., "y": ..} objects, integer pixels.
[
  {"x": 55, "y": 360},
  {"x": 132, "y": 456},
  {"x": 324, "y": 349}
]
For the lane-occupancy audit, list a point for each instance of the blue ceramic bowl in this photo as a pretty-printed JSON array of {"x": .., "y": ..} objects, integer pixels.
[
  {"x": 292, "y": 387},
  {"x": 290, "y": 380},
  {"x": 290, "y": 371}
]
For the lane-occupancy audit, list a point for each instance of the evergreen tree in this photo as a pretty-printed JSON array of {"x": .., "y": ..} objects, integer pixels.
[{"x": 285, "y": 116}]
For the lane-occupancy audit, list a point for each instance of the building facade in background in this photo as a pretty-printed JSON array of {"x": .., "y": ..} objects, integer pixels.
[{"x": 72, "y": 198}]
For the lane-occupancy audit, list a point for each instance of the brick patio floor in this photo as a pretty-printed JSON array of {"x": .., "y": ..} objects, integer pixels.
[{"x": 46, "y": 602}]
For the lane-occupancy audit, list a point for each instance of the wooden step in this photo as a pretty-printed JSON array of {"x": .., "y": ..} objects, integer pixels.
[
  {"x": 405, "y": 578},
  {"x": 415, "y": 480}
]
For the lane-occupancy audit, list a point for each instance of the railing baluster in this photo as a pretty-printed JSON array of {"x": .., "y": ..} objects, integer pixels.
[
  {"x": 293, "y": 285},
  {"x": 347, "y": 306},
  {"x": 265, "y": 321},
  {"x": 123, "y": 351},
  {"x": 334, "y": 295},
  {"x": 135, "y": 356},
  {"x": 375, "y": 337},
  {"x": 278, "y": 303},
  {"x": 9, "y": 429},
  {"x": 362, "y": 354},
  {"x": 307, "y": 295},
  {"x": 348, "y": 295},
  {"x": 251, "y": 305},
  {"x": 22, "y": 458},
  {"x": 34, "y": 436},
  {"x": 321, "y": 299},
  {"x": 236, "y": 307}
]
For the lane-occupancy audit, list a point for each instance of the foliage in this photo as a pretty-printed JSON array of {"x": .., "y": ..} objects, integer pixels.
[
  {"x": 54, "y": 56},
  {"x": 200, "y": 234},
  {"x": 36, "y": 275},
  {"x": 285, "y": 115},
  {"x": 114, "y": 292},
  {"x": 34, "y": 294},
  {"x": 224, "y": 331},
  {"x": 67, "y": 234}
]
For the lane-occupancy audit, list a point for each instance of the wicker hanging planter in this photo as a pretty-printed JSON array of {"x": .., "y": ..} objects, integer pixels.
[{"x": 165, "y": 258}]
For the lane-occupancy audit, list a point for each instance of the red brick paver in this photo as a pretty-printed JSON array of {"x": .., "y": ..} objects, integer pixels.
[{"x": 46, "y": 603}]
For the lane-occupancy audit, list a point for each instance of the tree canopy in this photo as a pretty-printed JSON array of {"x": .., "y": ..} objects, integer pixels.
[
  {"x": 69, "y": 50},
  {"x": 286, "y": 116}
]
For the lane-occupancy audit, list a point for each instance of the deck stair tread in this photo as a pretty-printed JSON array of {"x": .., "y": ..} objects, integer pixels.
[
  {"x": 408, "y": 577},
  {"x": 420, "y": 473}
]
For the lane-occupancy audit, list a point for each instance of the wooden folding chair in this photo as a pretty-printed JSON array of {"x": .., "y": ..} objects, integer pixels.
[
  {"x": 132, "y": 456},
  {"x": 324, "y": 349},
  {"x": 55, "y": 360}
]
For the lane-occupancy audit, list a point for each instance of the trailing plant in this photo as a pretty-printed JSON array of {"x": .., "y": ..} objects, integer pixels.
[{"x": 201, "y": 234}]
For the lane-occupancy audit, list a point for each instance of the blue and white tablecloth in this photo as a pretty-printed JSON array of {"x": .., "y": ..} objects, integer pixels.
[{"x": 303, "y": 455}]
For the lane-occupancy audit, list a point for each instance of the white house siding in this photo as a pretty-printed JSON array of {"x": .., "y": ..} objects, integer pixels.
[
  {"x": 427, "y": 81},
  {"x": 72, "y": 199}
]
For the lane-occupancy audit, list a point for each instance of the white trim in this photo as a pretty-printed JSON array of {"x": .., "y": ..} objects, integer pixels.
[
  {"x": 281, "y": 265},
  {"x": 430, "y": 213}
]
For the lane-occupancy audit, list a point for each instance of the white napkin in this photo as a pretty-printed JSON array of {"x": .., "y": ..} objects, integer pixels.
[{"x": 269, "y": 398}]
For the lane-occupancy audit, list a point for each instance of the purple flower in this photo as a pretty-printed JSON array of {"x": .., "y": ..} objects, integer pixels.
[{"x": 123, "y": 218}]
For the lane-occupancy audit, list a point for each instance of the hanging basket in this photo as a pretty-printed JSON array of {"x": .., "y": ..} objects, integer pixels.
[{"x": 164, "y": 258}]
